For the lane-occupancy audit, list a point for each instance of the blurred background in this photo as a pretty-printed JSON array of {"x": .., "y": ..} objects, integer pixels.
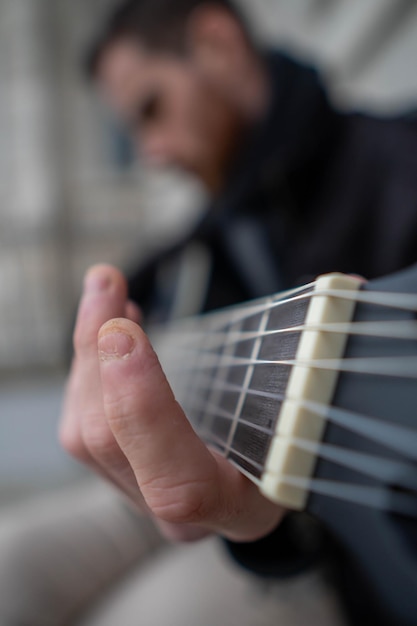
[{"x": 72, "y": 193}]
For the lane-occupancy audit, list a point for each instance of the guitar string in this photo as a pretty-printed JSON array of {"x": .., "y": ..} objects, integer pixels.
[
  {"x": 372, "y": 465},
  {"x": 401, "y": 301},
  {"x": 392, "y": 472},
  {"x": 398, "y": 366},
  {"x": 376, "y": 497},
  {"x": 399, "y": 438},
  {"x": 394, "y": 300},
  {"x": 209, "y": 436},
  {"x": 396, "y": 437},
  {"x": 393, "y": 436},
  {"x": 404, "y": 329},
  {"x": 240, "y": 313}
]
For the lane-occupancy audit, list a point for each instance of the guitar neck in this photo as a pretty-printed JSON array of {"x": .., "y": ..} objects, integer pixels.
[
  {"x": 241, "y": 377},
  {"x": 312, "y": 394}
]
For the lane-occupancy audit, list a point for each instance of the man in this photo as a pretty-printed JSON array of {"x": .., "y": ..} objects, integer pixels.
[{"x": 298, "y": 189}]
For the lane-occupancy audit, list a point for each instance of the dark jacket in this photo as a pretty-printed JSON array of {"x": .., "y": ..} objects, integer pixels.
[
  {"x": 319, "y": 190},
  {"x": 314, "y": 190}
]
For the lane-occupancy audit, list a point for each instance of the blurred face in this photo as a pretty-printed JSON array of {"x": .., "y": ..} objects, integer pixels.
[{"x": 176, "y": 113}]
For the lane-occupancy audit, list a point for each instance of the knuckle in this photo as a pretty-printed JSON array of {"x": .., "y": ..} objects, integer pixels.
[
  {"x": 100, "y": 442},
  {"x": 73, "y": 443},
  {"x": 122, "y": 415},
  {"x": 115, "y": 407},
  {"x": 181, "y": 504}
]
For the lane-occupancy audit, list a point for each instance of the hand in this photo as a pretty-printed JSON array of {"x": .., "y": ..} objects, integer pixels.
[{"x": 121, "y": 418}]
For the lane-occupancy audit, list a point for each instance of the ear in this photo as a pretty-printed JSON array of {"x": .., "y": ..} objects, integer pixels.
[{"x": 216, "y": 41}]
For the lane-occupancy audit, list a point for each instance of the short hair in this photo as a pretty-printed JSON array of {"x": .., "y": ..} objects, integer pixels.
[{"x": 160, "y": 25}]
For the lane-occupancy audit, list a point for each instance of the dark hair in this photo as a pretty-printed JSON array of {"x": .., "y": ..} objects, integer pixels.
[{"x": 160, "y": 25}]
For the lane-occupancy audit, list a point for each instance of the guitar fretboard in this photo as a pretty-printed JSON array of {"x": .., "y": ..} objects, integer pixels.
[
  {"x": 221, "y": 367},
  {"x": 232, "y": 396}
]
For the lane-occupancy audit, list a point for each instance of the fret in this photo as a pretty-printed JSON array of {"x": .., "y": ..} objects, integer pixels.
[
  {"x": 235, "y": 436},
  {"x": 290, "y": 313},
  {"x": 262, "y": 411},
  {"x": 217, "y": 397},
  {"x": 200, "y": 352},
  {"x": 207, "y": 392},
  {"x": 228, "y": 400},
  {"x": 254, "y": 430}
]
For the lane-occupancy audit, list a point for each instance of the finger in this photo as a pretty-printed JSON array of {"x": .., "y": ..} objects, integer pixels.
[
  {"x": 84, "y": 431},
  {"x": 133, "y": 312},
  {"x": 104, "y": 294},
  {"x": 105, "y": 291},
  {"x": 83, "y": 426},
  {"x": 181, "y": 480}
]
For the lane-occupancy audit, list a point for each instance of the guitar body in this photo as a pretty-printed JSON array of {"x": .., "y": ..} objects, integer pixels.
[{"x": 382, "y": 543}]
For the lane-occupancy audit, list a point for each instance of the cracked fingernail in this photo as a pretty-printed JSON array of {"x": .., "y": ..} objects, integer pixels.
[{"x": 115, "y": 345}]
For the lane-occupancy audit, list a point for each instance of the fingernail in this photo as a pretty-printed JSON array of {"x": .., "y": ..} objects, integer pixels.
[
  {"x": 95, "y": 282},
  {"x": 115, "y": 345}
]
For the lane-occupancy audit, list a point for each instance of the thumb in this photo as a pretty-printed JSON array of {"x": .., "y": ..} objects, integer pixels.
[
  {"x": 180, "y": 479},
  {"x": 173, "y": 468}
]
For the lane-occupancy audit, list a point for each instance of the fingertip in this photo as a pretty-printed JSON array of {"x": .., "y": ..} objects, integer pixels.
[
  {"x": 103, "y": 298},
  {"x": 120, "y": 325},
  {"x": 134, "y": 312},
  {"x": 100, "y": 277},
  {"x": 119, "y": 338}
]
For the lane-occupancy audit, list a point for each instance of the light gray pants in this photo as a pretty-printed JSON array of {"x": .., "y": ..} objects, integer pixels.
[{"x": 82, "y": 558}]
